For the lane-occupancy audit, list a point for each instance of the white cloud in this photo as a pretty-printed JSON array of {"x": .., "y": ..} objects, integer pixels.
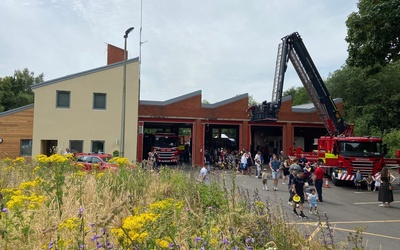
[{"x": 224, "y": 47}]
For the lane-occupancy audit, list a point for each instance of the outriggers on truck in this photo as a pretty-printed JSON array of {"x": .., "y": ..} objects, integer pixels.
[{"x": 342, "y": 153}]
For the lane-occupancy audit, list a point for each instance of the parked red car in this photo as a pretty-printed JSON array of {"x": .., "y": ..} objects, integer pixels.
[{"x": 93, "y": 161}]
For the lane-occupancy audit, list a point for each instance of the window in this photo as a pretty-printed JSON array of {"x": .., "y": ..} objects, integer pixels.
[
  {"x": 98, "y": 146},
  {"x": 99, "y": 101},
  {"x": 76, "y": 146},
  {"x": 63, "y": 99},
  {"x": 26, "y": 147}
]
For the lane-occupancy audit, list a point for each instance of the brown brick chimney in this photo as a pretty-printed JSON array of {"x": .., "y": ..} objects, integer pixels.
[{"x": 115, "y": 54}]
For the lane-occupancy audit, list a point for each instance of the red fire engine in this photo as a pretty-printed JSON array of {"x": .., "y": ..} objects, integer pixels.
[
  {"x": 342, "y": 153},
  {"x": 166, "y": 145}
]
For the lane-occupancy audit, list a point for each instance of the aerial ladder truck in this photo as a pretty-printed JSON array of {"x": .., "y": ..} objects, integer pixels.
[{"x": 342, "y": 152}]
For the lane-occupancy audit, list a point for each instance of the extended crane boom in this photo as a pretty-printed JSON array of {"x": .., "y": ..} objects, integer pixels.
[{"x": 292, "y": 48}]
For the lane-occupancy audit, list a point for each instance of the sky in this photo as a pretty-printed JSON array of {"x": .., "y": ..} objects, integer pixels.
[{"x": 224, "y": 48}]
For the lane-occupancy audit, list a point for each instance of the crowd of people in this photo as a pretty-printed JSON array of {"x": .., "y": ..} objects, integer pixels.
[{"x": 297, "y": 173}]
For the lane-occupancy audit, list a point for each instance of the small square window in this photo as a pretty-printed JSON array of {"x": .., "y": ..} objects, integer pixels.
[
  {"x": 76, "y": 146},
  {"x": 98, "y": 147},
  {"x": 99, "y": 101},
  {"x": 63, "y": 99}
]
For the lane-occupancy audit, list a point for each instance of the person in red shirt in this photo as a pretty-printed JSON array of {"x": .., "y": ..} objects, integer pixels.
[{"x": 318, "y": 179}]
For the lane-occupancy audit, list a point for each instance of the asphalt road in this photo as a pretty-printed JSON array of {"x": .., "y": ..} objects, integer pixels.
[{"x": 345, "y": 209}]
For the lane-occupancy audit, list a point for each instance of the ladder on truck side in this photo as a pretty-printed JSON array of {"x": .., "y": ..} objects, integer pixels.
[
  {"x": 315, "y": 87},
  {"x": 312, "y": 93}
]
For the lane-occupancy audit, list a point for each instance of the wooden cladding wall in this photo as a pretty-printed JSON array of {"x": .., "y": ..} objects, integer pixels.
[{"x": 14, "y": 128}]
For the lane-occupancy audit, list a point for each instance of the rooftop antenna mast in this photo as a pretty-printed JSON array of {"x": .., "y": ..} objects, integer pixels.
[{"x": 140, "y": 46}]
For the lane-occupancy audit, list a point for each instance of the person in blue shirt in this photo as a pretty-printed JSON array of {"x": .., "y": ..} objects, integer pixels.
[{"x": 274, "y": 165}]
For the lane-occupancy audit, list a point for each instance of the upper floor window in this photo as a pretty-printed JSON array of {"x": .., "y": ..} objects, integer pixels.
[
  {"x": 63, "y": 99},
  {"x": 99, "y": 100}
]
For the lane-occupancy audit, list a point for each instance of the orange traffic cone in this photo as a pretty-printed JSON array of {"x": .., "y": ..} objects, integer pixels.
[{"x": 327, "y": 183}]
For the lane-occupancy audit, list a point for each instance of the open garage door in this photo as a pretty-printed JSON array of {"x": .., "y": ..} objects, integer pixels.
[
  {"x": 267, "y": 139},
  {"x": 172, "y": 141}
]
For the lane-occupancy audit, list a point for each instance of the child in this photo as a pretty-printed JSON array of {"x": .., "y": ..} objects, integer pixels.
[
  {"x": 264, "y": 177},
  {"x": 369, "y": 182},
  {"x": 358, "y": 180},
  {"x": 312, "y": 198}
]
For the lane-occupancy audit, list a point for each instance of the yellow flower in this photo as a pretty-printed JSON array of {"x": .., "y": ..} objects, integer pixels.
[
  {"x": 19, "y": 160},
  {"x": 161, "y": 205},
  {"x": 27, "y": 185},
  {"x": 69, "y": 224},
  {"x": 79, "y": 173},
  {"x": 214, "y": 242},
  {"x": 99, "y": 175},
  {"x": 162, "y": 243}
]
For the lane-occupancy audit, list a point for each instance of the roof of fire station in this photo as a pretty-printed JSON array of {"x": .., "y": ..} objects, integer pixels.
[{"x": 303, "y": 108}]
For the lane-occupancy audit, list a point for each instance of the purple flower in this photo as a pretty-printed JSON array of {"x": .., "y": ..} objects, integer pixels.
[
  {"x": 248, "y": 240},
  {"x": 171, "y": 245},
  {"x": 94, "y": 238},
  {"x": 103, "y": 230},
  {"x": 50, "y": 245},
  {"x": 197, "y": 238},
  {"x": 225, "y": 241},
  {"x": 5, "y": 210},
  {"x": 248, "y": 248},
  {"x": 99, "y": 245},
  {"x": 80, "y": 210}
]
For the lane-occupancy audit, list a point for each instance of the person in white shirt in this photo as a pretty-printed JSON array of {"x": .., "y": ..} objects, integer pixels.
[{"x": 203, "y": 176}]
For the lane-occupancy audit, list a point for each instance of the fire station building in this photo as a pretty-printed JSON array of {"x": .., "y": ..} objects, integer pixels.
[
  {"x": 82, "y": 111},
  {"x": 211, "y": 125}
]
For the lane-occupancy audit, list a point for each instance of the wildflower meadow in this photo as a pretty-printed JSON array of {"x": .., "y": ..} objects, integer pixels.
[{"x": 51, "y": 203}]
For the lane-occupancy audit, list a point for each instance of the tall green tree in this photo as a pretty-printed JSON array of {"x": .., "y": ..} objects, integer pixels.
[
  {"x": 15, "y": 90},
  {"x": 371, "y": 101},
  {"x": 299, "y": 95},
  {"x": 373, "y": 33}
]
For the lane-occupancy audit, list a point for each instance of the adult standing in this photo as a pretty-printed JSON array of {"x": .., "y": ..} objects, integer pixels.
[
  {"x": 318, "y": 179},
  {"x": 249, "y": 162},
  {"x": 298, "y": 189},
  {"x": 302, "y": 161},
  {"x": 294, "y": 166},
  {"x": 282, "y": 158},
  {"x": 156, "y": 160},
  {"x": 243, "y": 163},
  {"x": 385, "y": 190},
  {"x": 286, "y": 172},
  {"x": 274, "y": 165},
  {"x": 257, "y": 161}
]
